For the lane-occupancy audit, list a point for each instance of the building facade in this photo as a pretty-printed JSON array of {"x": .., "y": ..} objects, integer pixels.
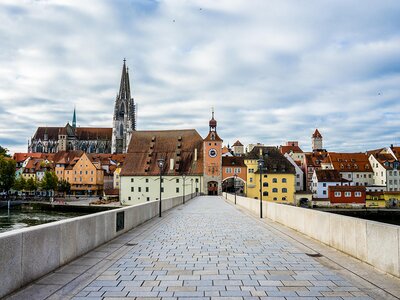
[{"x": 277, "y": 178}]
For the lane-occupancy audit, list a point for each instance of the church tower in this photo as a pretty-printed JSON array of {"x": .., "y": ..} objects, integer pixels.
[
  {"x": 124, "y": 120},
  {"x": 316, "y": 140},
  {"x": 212, "y": 147}
]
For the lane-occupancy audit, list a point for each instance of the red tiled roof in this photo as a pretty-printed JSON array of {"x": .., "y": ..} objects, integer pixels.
[
  {"x": 237, "y": 143},
  {"x": 350, "y": 162},
  {"x": 146, "y": 147},
  {"x": 287, "y": 149},
  {"x": 316, "y": 134},
  {"x": 327, "y": 175},
  {"x": 356, "y": 188},
  {"x": 229, "y": 161}
]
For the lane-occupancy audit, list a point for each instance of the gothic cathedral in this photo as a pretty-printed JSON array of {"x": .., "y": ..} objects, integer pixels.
[{"x": 124, "y": 120}]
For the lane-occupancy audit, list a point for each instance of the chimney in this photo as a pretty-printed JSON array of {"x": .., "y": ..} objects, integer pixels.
[
  {"x": 195, "y": 154},
  {"x": 171, "y": 164}
]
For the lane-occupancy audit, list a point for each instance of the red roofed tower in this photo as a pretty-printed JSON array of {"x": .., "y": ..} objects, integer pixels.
[{"x": 316, "y": 140}]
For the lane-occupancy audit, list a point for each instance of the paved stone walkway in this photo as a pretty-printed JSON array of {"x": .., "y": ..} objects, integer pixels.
[{"x": 208, "y": 249}]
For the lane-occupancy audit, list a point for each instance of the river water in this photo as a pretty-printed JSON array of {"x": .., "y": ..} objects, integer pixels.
[{"x": 19, "y": 219}]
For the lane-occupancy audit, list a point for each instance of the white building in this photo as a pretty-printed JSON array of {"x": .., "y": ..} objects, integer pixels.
[
  {"x": 322, "y": 179},
  {"x": 386, "y": 170},
  {"x": 299, "y": 173}
]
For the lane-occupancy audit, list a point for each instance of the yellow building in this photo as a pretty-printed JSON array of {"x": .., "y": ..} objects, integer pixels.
[
  {"x": 278, "y": 176},
  {"x": 382, "y": 199},
  {"x": 83, "y": 173}
]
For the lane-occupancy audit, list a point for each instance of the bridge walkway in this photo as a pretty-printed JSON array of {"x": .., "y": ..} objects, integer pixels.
[{"x": 209, "y": 249}]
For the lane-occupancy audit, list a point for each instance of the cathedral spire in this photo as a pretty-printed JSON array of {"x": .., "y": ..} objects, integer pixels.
[
  {"x": 74, "y": 119},
  {"x": 124, "y": 88}
]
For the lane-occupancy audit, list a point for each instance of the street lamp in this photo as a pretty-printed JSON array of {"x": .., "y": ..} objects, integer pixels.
[
  {"x": 260, "y": 168},
  {"x": 183, "y": 187},
  {"x": 160, "y": 163},
  {"x": 191, "y": 183},
  {"x": 234, "y": 185}
]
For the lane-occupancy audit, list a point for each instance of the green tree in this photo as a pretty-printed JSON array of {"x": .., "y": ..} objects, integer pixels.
[
  {"x": 64, "y": 187},
  {"x": 19, "y": 184},
  {"x": 7, "y": 173},
  {"x": 3, "y": 152},
  {"x": 49, "y": 181},
  {"x": 31, "y": 185}
]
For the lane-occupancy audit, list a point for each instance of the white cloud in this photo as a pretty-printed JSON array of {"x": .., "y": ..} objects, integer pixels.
[{"x": 273, "y": 70}]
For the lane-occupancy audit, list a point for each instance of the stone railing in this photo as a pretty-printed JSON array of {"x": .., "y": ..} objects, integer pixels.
[
  {"x": 29, "y": 253},
  {"x": 375, "y": 243}
]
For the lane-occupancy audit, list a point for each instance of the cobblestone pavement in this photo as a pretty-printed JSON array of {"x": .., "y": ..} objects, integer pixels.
[{"x": 210, "y": 250}]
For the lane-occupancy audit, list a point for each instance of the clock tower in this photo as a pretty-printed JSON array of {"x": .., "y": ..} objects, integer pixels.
[{"x": 212, "y": 147}]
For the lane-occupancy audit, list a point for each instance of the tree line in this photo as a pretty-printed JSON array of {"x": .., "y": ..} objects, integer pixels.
[{"x": 8, "y": 180}]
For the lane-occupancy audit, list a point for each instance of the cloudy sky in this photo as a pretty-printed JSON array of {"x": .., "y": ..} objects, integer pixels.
[{"x": 273, "y": 70}]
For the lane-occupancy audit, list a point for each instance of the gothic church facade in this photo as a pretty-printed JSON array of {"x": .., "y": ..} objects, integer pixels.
[{"x": 92, "y": 139}]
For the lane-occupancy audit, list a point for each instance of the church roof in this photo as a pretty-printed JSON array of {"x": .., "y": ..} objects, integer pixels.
[
  {"x": 81, "y": 133},
  {"x": 177, "y": 146}
]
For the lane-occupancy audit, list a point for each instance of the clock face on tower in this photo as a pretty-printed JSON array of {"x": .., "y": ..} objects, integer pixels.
[{"x": 212, "y": 153}]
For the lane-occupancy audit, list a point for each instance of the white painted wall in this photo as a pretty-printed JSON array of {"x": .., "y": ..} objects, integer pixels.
[
  {"x": 140, "y": 189},
  {"x": 320, "y": 189},
  {"x": 379, "y": 171},
  {"x": 299, "y": 173}
]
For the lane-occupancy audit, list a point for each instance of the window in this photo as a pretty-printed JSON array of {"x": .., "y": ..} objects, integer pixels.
[
  {"x": 265, "y": 193},
  {"x": 162, "y": 189},
  {"x": 129, "y": 198},
  {"x": 80, "y": 172},
  {"x": 274, "y": 190},
  {"x": 275, "y": 198},
  {"x": 348, "y": 175},
  {"x": 265, "y": 184},
  {"x": 139, "y": 189},
  {"x": 338, "y": 194},
  {"x": 148, "y": 199},
  {"x": 131, "y": 179},
  {"x": 357, "y": 194},
  {"x": 147, "y": 180},
  {"x": 132, "y": 189},
  {"x": 177, "y": 180},
  {"x": 86, "y": 172},
  {"x": 283, "y": 198},
  {"x": 298, "y": 183},
  {"x": 147, "y": 189},
  {"x": 251, "y": 170},
  {"x": 228, "y": 170},
  {"x": 274, "y": 180},
  {"x": 91, "y": 172},
  {"x": 91, "y": 179},
  {"x": 347, "y": 194},
  {"x": 197, "y": 180},
  {"x": 297, "y": 175},
  {"x": 237, "y": 170},
  {"x": 80, "y": 179},
  {"x": 177, "y": 190},
  {"x": 251, "y": 179},
  {"x": 284, "y": 180},
  {"x": 162, "y": 180},
  {"x": 284, "y": 190},
  {"x": 324, "y": 192}
]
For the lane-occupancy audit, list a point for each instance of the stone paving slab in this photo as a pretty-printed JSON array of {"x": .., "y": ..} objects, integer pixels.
[{"x": 207, "y": 249}]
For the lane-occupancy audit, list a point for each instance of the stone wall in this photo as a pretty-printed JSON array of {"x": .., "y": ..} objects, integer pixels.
[
  {"x": 29, "y": 253},
  {"x": 375, "y": 243}
]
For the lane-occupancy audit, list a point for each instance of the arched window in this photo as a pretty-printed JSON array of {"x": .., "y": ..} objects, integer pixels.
[
  {"x": 284, "y": 190},
  {"x": 121, "y": 130},
  {"x": 122, "y": 110},
  {"x": 275, "y": 198},
  {"x": 274, "y": 180},
  {"x": 265, "y": 184},
  {"x": 284, "y": 198},
  {"x": 284, "y": 180},
  {"x": 274, "y": 190}
]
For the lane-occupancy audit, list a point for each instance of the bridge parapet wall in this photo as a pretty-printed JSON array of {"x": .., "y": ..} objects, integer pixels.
[
  {"x": 375, "y": 243},
  {"x": 29, "y": 253}
]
